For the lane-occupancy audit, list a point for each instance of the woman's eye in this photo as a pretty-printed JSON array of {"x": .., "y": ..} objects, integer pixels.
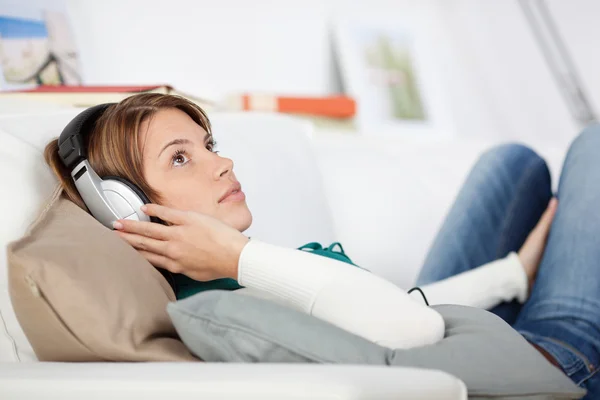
[
  {"x": 210, "y": 146},
  {"x": 179, "y": 159}
]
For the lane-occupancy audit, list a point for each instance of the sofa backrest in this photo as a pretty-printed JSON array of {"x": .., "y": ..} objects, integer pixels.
[
  {"x": 273, "y": 160},
  {"x": 390, "y": 194}
]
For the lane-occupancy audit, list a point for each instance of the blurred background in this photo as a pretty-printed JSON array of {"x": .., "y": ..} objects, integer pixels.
[{"x": 494, "y": 69}]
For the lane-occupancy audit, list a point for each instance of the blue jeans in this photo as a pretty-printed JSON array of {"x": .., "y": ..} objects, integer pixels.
[{"x": 501, "y": 201}]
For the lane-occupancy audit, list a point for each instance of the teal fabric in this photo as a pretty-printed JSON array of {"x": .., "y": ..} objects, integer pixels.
[
  {"x": 329, "y": 252},
  {"x": 185, "y": 287},
  {"x": 479, "y": 348}
]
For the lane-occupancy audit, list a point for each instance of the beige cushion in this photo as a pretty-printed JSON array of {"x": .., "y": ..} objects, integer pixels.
[{"x": 81, "y": 293}]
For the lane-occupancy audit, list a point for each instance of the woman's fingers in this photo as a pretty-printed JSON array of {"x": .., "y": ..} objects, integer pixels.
[
  {"x": 155, "y": 259},
  {"x": 145, "y": 243},
  {"x": 545, "y": 222},
  {"x": 532, "y": 251},
  {"x": 550, "y": 211},
  {"x": 159, "y": 261},
  {"x": 167, "y": 214},
  {"x": 148, "y": 229}
]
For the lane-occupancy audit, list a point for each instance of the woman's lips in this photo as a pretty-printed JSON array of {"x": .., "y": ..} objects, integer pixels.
[
  {"x": 234, "y": 196},
  {"x": 234, "y": 193}
]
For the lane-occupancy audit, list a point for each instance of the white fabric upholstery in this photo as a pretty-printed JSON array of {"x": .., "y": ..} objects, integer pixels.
[
  {"x": 159, "y": 381},
  {"x": 26, "y": 182}
]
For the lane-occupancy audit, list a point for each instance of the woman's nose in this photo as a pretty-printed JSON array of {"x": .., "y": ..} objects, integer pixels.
[{"x": 225, "y": 166}]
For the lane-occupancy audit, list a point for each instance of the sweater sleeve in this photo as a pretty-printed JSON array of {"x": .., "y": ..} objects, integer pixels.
[
  {"x": 482, "y": 287},
  {"x": 350, "y": 298}
]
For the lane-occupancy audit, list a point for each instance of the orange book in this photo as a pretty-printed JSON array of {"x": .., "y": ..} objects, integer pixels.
[{"x": 327, "y": 106}]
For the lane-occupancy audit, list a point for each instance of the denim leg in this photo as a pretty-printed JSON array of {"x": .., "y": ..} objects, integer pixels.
[
  {"x": 499, "y": 204},
  {"x": 562, "y": 314}
]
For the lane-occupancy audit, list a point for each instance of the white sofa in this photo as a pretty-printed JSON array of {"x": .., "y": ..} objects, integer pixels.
[{"x": 382, "y": 198}]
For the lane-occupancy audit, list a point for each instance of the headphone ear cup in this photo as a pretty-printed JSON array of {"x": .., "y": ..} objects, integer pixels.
[
  {"x": 131, "y": 186},
  {"x": 137, "y": 191}
]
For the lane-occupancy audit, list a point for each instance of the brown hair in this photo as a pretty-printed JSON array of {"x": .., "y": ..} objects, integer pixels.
[{"x": 114, "y": 145}]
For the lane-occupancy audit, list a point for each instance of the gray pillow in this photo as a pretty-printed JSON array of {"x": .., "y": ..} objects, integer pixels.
[{"x": 479, "y": 348}]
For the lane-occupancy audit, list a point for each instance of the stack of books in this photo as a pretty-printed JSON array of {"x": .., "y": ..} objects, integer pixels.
[
  {"x": 325, "y": 112},
  {"x": 87, "y": 96}
]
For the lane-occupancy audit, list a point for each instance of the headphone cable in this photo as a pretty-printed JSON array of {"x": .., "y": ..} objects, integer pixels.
[{"x": 420, "y": 291}]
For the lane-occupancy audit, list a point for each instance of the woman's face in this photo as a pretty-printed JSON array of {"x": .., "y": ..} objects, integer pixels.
[{"x": 180, "y": 163}]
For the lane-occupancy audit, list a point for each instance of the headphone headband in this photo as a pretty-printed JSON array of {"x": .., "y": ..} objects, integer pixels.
[{"x": 71, "y": 143}]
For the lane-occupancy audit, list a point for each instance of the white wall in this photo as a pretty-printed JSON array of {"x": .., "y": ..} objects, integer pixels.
[
  {"x": 577, "y": 22},
  {"x": 514, "y": 86},
  {"x": 218, "y": 46},
  {"x": 493, "y": 78},
  {"x": 210, "y": 47}
]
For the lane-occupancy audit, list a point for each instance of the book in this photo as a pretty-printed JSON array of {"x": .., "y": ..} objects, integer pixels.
[
  {"x": 328, "y": 123},
  {"x": 325, "y": 106},
  {"x": 87, "y": 96}
]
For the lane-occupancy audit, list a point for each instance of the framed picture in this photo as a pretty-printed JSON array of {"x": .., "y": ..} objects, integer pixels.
[
  {"x": 390, "y": 69},
  {"x": 36, "y": 45}
]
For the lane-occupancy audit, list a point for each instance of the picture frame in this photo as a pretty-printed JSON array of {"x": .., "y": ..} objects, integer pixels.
[
  {"x": 37, "y": 45},
  {"x": 391, "y": 70}
]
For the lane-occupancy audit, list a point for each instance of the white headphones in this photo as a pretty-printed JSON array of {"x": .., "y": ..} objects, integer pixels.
[{"x": 109, "y": 198}]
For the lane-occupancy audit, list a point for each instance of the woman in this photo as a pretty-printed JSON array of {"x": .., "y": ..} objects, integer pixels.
[{"x": 486, "y": 255}]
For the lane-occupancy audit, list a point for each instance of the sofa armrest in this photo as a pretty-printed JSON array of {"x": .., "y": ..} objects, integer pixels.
[{"x": 158, "y": 381}]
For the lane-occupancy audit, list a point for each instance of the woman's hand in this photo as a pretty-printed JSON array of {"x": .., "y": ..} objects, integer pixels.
[
  {"x": 195, "y": 244},
  {"x": 532, "y": 250}
]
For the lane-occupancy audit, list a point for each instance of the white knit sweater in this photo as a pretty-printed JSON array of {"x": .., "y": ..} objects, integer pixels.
[{"x": 369, "y": 306}]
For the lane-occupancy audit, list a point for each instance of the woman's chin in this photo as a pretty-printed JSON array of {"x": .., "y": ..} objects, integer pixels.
[{"x": 240, "y": 220}]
